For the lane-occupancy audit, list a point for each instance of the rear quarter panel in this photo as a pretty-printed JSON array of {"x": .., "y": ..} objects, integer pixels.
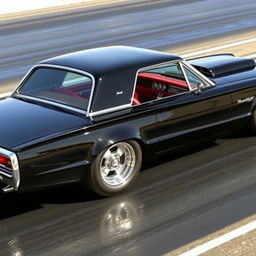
[{"x": 66, "y": 158}]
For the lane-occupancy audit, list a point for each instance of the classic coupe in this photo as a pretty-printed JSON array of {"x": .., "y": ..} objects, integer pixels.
[{"x": 92, "y": 116}]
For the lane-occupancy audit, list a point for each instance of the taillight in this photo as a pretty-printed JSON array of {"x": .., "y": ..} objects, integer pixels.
[{"x": 6, "y": 162}]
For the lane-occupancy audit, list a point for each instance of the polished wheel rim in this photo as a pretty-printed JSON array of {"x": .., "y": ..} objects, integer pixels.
[{"x": 117, "y": 164}]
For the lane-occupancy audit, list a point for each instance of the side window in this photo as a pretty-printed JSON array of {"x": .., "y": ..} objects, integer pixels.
[
  {"x": 74, "y": 79},
  {"x": 193, "y": 79},
  {"x": 159, "y": 82},
  {"x": 76, "y": 85}
]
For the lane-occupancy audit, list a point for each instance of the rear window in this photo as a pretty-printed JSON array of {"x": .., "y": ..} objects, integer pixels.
[{"x": 60, "y": 86}]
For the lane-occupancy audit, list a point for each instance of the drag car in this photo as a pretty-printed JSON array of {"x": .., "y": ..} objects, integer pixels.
[{"x": 92, "y": 116}]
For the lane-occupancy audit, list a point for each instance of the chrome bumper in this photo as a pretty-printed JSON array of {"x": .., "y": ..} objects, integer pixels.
[{"x": 10, "y": 178}]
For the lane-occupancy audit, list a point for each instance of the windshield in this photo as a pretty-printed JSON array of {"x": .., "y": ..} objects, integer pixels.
[{"x": 60, "y": 86}]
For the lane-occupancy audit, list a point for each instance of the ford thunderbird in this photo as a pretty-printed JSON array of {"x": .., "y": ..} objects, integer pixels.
[{"x": 92, "y": 116}]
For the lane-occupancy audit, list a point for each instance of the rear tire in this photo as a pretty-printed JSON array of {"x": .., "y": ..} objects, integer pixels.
[{"x": 114, "y": 169}]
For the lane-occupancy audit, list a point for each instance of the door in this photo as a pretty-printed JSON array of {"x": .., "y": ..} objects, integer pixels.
[
  {"x": 184, "y": 113},
  {"x": 193, "y": 117}
]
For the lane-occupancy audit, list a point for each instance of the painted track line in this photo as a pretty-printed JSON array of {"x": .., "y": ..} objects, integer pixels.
[
  {"x": 220, "y": 240},
  {"x": 251, "y": 56},
  {"x": 6, "y": 94},
  {"x": 247, "y": 41}
]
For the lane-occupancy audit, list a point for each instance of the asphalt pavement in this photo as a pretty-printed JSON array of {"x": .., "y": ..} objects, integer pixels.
[{"x": 178, "y": 198}]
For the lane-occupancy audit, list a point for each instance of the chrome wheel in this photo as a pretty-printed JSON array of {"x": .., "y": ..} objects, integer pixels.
[
  {"x": 117, "y": 164},
  {"x": 114, "y": 169}
]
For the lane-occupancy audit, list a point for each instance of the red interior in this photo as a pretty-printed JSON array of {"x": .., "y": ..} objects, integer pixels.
[
  {"x": 164, "y": 79},
  {"x": 143, "y": 93},
  {"x": 136, "y": 100},
  {"x": 75, "y": 90},
  {"x": 68, "y": 92},
  {"x": 148, "y": 93}
]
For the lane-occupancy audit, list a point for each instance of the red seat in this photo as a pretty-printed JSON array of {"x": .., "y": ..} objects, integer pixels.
[
  {"x": 136, "y": 100},
  {"x": 68, "y": 92}
]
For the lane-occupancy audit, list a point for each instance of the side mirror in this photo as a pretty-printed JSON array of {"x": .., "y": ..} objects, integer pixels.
[{"x": 199, "y": 89}]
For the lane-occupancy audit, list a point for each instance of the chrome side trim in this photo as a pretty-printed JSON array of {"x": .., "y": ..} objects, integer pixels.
[
  {"x": 164, "y": 98},
  {"x": 15, "y": 169},
  {"x": 109, "y": 110},
  {"x": 63, "y": 68}
]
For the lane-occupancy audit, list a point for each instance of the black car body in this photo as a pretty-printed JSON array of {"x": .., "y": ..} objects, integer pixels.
[{"x": 91, "y": 116}]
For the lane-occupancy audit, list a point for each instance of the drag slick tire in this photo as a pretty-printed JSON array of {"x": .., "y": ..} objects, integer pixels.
[{"x": 114, "y": 169}]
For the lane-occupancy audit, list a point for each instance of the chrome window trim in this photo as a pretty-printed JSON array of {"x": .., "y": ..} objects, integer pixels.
[
  {"x": 178, "y": 61},
  {"x": 52, "y": 102},
  {"x": 15, "y": 169},
  {"x": 134, "y": 87},
  {"x": 144, "y": 69},
  {"x": 185, "y": 75},
  {"x": 88, "y": 113},
  {"x": 109, "y": 110},
  {"x": 198, "y": 73},
  {"x": 160, "y": 64}
]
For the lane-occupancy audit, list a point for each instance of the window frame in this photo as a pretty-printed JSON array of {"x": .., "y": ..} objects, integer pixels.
[
  {"x": 182, "y": 64},
  {"x": 52, "y": 102},
  {"x": 208, "y": 82}
]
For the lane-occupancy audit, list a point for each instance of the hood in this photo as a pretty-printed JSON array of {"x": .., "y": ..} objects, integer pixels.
[
  {"x": 22, "y": 122},
  {"x": 215, "y": 66}
]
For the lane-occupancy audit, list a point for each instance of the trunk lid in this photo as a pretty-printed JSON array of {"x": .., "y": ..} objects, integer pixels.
[{"x": 22, "y": 122}]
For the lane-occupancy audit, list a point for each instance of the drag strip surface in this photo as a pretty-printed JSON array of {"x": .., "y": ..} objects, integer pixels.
[{"x": 181, "y": 198}]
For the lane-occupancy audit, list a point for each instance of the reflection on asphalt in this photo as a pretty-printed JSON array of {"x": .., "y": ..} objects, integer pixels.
[
  {"x": 120, "y": 220},
  {"x": 14, "y": 247},
  {"x": 176, "y": 199},
  {"x": 31, "y": 222}
]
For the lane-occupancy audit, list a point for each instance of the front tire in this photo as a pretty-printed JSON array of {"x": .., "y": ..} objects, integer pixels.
[{"x": 114, "y": 169}]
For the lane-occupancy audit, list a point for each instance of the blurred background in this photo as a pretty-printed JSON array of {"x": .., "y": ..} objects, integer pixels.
[{"x": 31, "y": 31}]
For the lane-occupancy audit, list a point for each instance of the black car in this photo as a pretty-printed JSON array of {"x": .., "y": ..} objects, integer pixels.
[{"x": 92, "y": 116}]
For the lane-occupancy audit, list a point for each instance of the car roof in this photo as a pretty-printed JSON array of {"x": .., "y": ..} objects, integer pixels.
[
  {"x": 114, "y": 69},
  {"x": 105, "y": 59}
]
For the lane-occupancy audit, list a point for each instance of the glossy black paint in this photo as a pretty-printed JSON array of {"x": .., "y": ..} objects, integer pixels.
[
  {"x": 56, "y": 147},
  {"x": 222, "y": 64},
  {"x": 114, "y": 69},
  {"x": 23, "y": 121}
]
